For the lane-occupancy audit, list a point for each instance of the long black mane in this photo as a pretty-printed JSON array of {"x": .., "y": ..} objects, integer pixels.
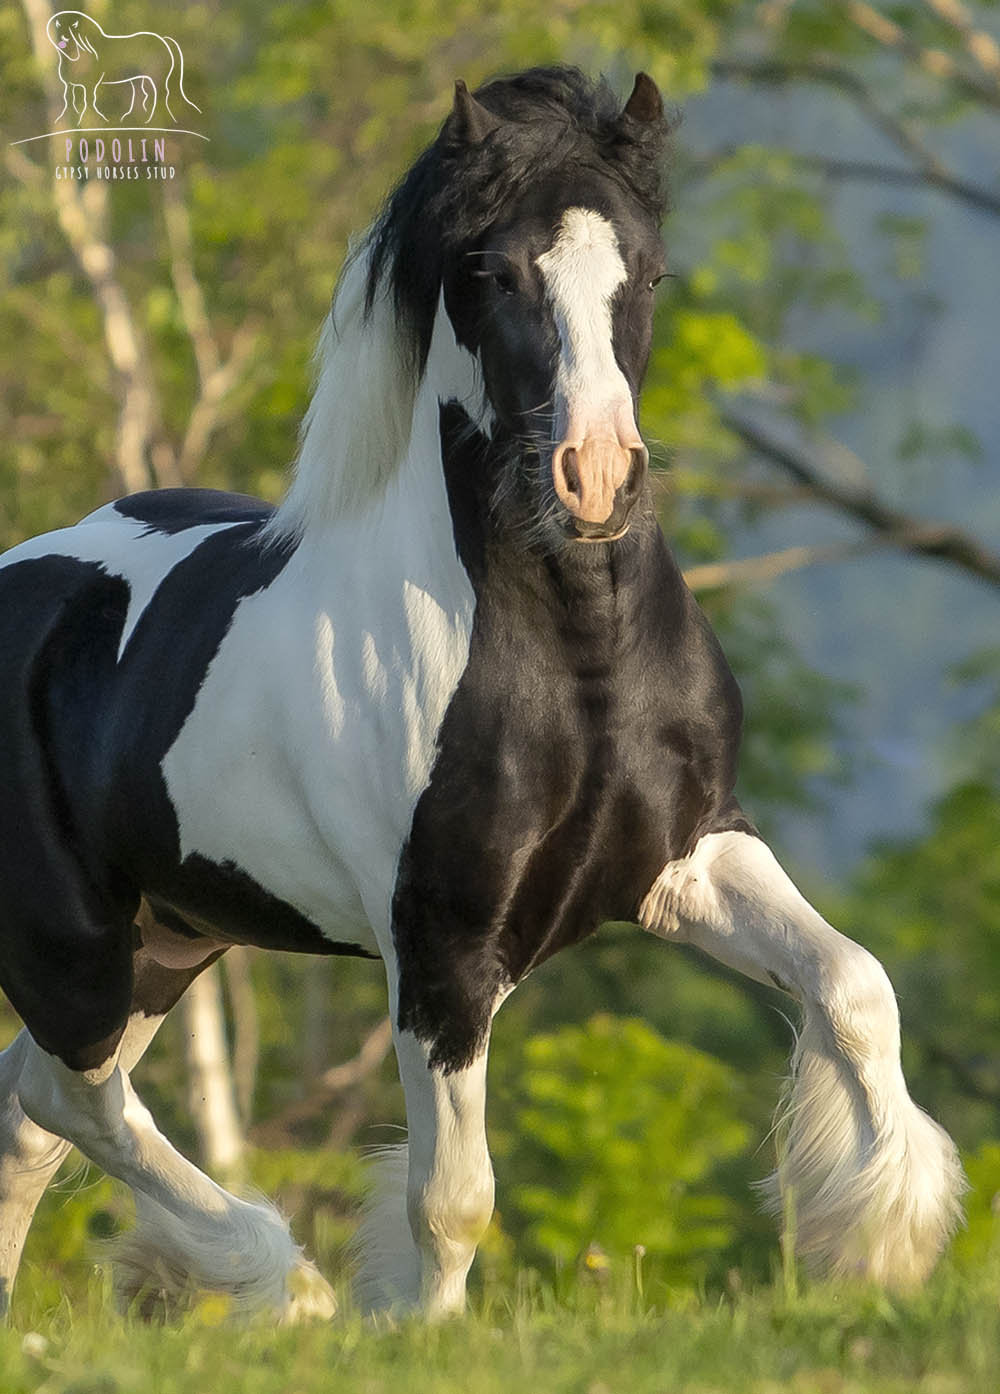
[{"x": 552, "y": 119}]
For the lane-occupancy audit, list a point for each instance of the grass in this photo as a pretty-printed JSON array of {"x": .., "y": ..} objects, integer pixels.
[{"x": 816, "y": 1339}]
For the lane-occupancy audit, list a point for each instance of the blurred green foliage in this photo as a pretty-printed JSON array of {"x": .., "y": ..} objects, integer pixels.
[{"x": 617, "y": 1134}]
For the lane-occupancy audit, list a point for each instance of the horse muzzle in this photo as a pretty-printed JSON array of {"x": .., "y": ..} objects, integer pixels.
[{"x": 598, "y": 480}]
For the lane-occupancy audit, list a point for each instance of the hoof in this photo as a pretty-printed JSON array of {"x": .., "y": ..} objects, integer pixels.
[{"x": 310, "y": 1296}]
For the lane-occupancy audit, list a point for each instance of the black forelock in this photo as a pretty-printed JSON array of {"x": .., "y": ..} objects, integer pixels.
[{"x": 552, "y": 119}]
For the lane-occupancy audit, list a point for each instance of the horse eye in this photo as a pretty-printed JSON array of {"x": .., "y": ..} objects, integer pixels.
[
  {"x": 651, "y": 285},
  {"x": 504, "y": 282}
]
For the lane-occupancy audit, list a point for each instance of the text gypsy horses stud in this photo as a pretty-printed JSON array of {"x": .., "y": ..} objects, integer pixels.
[{"x": 450, "y": 703}]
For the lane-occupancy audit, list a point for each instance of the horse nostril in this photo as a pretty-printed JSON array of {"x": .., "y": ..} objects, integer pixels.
[
  {"x": 571, "y": 471},
  {"x": 636, "y": 470}
]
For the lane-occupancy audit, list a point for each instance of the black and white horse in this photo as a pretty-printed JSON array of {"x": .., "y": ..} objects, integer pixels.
[{"x": 450, "y": 703}]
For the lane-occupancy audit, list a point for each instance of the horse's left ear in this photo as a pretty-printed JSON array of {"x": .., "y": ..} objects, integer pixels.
[
  {"x": 469, "y": 119},
  {"x": 645, "y": 103}
]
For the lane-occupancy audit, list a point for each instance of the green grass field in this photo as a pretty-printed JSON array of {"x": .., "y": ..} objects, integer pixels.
[{"x": 814, "y": 1340}]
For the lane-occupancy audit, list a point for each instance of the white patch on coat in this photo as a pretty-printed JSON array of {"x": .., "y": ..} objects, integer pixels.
[
  {"x": 29, "y": 1158},
  {"x": 431, "y": 1198},
  {"x": 582, "y": 270},
  {"x": 315, "y": 729}
]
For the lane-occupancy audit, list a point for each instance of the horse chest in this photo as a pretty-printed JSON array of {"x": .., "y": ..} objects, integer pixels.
[
  {"x": 569, "y": 779},
  {"x": 573, "y": 762}
]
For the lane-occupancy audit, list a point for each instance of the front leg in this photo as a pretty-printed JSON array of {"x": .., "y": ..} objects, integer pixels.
[
  {"x": 449, "y": 1193},
  {"x": 433, "y": 1197},
  {"x": 872, "y": 1182}
]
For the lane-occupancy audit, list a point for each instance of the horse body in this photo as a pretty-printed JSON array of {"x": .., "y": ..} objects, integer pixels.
[
  {"x": 450, "y": 703},
  {"x": 281, "y": 823}
]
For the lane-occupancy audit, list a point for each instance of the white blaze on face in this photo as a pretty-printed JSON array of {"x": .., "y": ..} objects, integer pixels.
[
  {"x": 595, "y": 429},
  {"x": 582, "y": 270}
]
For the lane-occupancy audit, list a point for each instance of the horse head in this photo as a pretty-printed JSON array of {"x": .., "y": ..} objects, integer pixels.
[{"x": 535, "y": 214}]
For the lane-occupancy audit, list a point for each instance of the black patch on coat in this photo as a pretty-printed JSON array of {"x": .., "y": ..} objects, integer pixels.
[
  {"x": 592, "y": 738},
  {"x": 175, "y": 510},
  {"x": 65, "y": 954},
  {"x": 86, "y": 824}
]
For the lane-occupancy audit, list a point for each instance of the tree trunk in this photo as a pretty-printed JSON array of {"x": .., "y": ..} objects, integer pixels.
[{"x": 212, "y": 1091}]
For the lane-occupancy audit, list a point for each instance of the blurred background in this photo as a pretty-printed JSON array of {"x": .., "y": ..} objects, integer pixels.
[{"x": 822, "y": 404}]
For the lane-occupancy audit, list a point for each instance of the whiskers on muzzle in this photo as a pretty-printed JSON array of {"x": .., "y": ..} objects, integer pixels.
[{"x": 528, "y": 512}]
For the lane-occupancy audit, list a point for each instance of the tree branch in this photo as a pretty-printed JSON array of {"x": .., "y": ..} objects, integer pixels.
[
  {"x": 337, "y": 1080},
  {"x": 865, "y": 170},
  {"x": 211, "y": 1096},
  {"x": 933, "y": 61},
  {"x": 701, "y": 484},
  {"x": 902, "y": 134},
  {"x": 187, "y": 287},
  {"x": 911, "y": 534},
  {"x": 246, "y": 1027},
  {"x": 750, "y": 571},
  {"x": 208, "y": 412},
  {"x": 981, "y": 47},
  {"x": 963, "y": 1074}
]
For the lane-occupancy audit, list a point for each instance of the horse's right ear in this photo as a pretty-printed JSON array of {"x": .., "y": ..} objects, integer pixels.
[
  {"x": 469, "y": 119},
  {"x": 645, "y": 104}
]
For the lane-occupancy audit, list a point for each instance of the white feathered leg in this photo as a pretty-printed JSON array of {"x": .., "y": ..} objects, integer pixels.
[
  {"x": 29, "y": 1155},
  {"x": 189, "y": 1230},
  {"x": 29, "y": 1158},
  {"x": 873, "y": 1182}
]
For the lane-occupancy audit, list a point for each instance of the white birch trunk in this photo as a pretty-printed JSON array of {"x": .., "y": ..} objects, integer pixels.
[{"x": 212, "y": 1092}]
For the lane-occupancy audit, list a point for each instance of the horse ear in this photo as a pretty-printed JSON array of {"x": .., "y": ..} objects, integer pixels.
[
  {"x": 470, "y": 120},
  {"x": 645, "y": 103}
]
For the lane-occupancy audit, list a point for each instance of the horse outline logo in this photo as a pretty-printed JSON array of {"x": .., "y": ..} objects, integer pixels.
[{"x": 114, "y": 60}]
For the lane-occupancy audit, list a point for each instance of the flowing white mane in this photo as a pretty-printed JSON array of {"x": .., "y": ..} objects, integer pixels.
[{"x": 357, "y": 427}]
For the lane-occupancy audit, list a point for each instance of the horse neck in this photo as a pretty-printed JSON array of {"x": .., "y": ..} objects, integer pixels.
[
  {"x": 370, "y": 444},
  {"x": 597, "y": 598},
  {"x": 368, "y": 489}
]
